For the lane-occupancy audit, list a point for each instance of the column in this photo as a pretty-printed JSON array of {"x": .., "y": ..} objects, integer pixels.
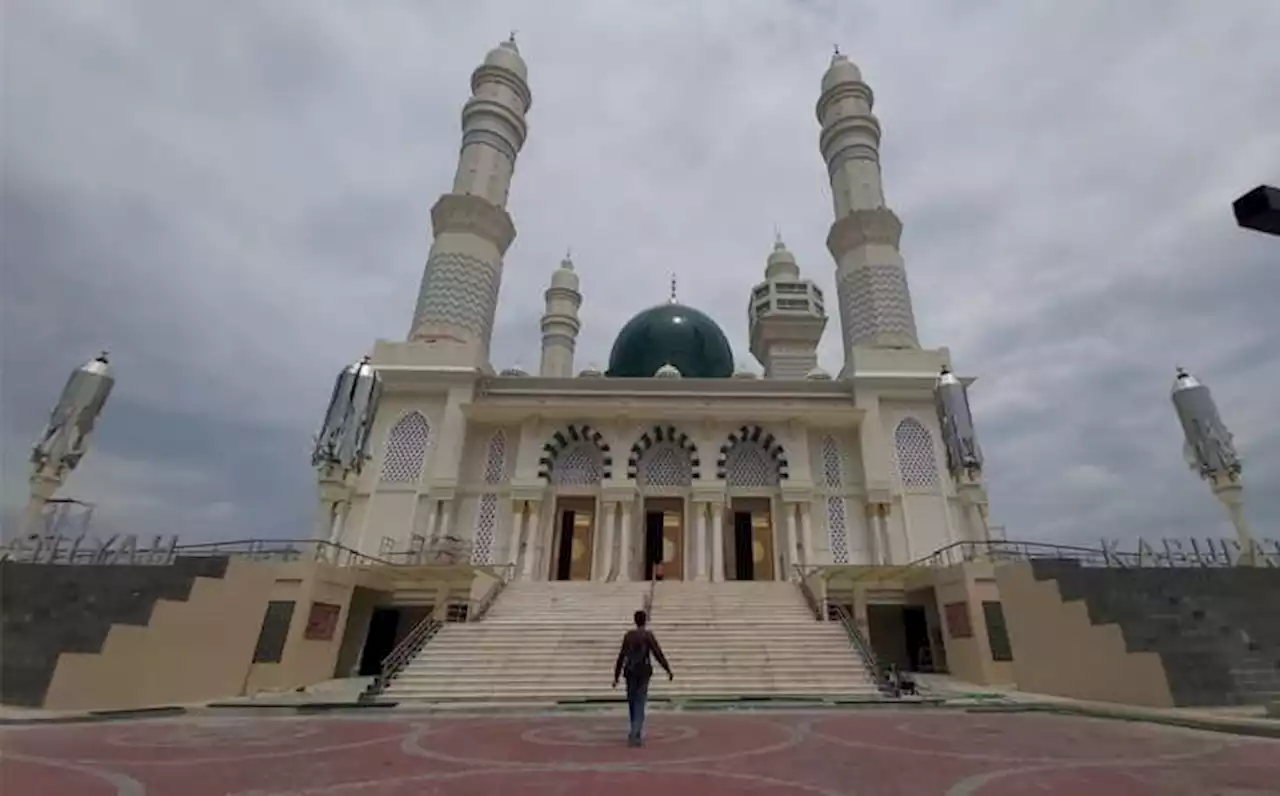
[
  {"x": 882, "y": 530},
  {"x": 445, "y": 527},
  {"x": 606, "y": 561},
  {"x": 624, "y": 552},
  {"x": 806, "y": 529},
  {"x": 717, "y": 546},
  {"x": 793, "y": 542},
  {"x": 531, "y": 539},
  {"x": 517, "y": 533},
  {"x": 701, "y": 524}
]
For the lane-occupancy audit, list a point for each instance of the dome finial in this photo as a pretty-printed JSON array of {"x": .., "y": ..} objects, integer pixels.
[
  {"x": 672, "y": 300},
  {"x": 778, "y": 245}
]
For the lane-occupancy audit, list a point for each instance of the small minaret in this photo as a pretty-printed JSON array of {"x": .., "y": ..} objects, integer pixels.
[
  {"x": 786, "y": 318},
  {"x": 560, "y": 322},
  {"x": 871, "y": 280},
  {"x": 471, "y": 228}
]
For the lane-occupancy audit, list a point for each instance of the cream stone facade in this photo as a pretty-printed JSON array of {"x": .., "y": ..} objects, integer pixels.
[{"x": 671, "y": 456}]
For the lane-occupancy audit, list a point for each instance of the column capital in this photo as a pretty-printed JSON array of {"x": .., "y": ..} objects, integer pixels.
[{"x": 797, "y": 493}]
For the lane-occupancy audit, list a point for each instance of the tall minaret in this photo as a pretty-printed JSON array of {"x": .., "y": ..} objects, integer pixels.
[
  {"x": 786, "y": 318},
  {"x": 472, "y": 231},
  {"x": 560, "y": 323},
  {"x": 871, "y": 281}
]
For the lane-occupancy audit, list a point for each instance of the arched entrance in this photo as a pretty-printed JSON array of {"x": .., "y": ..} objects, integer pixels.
[
  {"x": 752, "y": 463},
  {"x": 574, "y": 461},
  {"x": 664, "y": 463}
]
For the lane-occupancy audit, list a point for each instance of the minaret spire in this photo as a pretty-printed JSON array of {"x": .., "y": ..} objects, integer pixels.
[
  {"x": 672, "y": 300},
  {"x": 871, "y": 279},
  {"x": 472, "y": 230},
  {"x": 560, "y": 324}
]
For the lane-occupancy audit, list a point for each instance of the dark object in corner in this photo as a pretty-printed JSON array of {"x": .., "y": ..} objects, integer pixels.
[{"x": 1259, "y": 210}]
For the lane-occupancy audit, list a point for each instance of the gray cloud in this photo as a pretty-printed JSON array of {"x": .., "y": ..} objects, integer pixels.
[{"x": 234, "y": 197}]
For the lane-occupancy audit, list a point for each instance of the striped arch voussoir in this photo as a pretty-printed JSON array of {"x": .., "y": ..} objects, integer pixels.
[
  {"x": 570, "y": 435},
  {"x": 663, "y": 434},
  {"x": 752, "y": 435}
]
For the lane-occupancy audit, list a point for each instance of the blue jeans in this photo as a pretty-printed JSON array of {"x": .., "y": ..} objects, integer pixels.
[{"x": 637, "y": 694}]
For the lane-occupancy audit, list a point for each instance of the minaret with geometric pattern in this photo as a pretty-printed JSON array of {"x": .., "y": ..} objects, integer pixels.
[
  {"x": 786, "y": 318},
  {"x": 871, "y": 280},
  {"x": 560, "y": 323},
  {"x": 470, "y": 225}
]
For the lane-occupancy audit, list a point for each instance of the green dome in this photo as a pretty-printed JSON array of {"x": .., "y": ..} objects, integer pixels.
[{"x": 671, "y": 334}]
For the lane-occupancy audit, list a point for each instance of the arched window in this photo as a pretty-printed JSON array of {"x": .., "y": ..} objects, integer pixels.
[
  {"x": 748, "y": 464},
  {"x": 406, "y": 449},
  {"x": 917, "y": 464},
  {"x": 577, "y": 465},
  {"x": 665, "y": 464}
]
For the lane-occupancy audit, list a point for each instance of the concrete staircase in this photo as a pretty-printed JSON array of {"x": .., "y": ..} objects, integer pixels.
[
  {"x": 540, "y": 641},
  {"x": 753, "y": 639},
  {"x": 550, "y": 641}
]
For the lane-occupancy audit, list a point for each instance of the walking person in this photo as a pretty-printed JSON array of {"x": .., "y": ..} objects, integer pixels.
[{"x": 633, "y": 663}]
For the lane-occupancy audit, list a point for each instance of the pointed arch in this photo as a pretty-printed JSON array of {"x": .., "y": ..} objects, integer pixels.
[
  {"x": 646, "y": 445},
  {"x": 917, "y": 462},
  {"x": 406, "y": 450},
  {"x": 751, "y": 456},
  {"x": 577, "y": 445}
]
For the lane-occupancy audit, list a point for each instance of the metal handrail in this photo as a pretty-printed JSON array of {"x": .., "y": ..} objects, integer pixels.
[
  {"x": 648, "y": 598},
  {"x": 403, "y": 652},
  {"x": 424, "y": 631},
  {"x": 869, "y": 660},
  {"x": 863, "y": 647},
  {"x": 282, "y": 550},
  {"x": 486, "y": 602}
]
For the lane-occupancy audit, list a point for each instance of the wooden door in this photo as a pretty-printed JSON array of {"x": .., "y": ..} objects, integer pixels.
[
  {"x": 761, "y": 546},
  {"x": 672, "y": 545},
  {"x": 581, "y": 541}
]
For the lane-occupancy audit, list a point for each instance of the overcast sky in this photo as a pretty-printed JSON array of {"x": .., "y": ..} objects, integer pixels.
[{"x": 233, "y": 197}]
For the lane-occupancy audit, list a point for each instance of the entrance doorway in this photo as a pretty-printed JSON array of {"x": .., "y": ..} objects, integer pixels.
[
  {"x": 664, "y": 538},
  {"x": 379, "y": 641},
  {"x": 574, "y": 540},
  {"x": 749, "y": 539},
  {"x": 916, "y": 626}
]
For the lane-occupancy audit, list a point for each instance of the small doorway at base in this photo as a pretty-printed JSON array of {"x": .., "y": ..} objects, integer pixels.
[
  {"x": 749, "y": 539},
  {"x": 379, "y": 641},
  {"x": 572, "y": 551},
  {"x": 664, "y": 537}
]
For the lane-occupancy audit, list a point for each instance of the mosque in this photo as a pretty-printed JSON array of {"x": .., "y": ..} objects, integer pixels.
[{"x": 670, "y": 461}]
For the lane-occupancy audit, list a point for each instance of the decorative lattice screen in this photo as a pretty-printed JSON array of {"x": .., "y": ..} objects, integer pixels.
[
  {"x": 577, "y": 466},
  {"x": 406, "y": 449},
  {"x": 838, "y": 530},
  {"x": 496, "y": 459},
  {"x": 749, "y": 465},
  {"x": 665, "y": 464},
  {"x": 486, "y": 529},
  {"x": 832, "y": 463},
  {"x": 917, "y": 464}
]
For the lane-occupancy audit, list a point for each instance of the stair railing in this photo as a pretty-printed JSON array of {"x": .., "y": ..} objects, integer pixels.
[
  {"x": 405, "y": 651},
  {"x": 424, "y": 631},
  {"x": 824, "y": 609},
  {"x": 648, "y": 598}
]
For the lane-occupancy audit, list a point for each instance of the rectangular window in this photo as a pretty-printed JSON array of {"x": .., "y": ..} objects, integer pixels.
[
  {"x": 997, "y": 632},
  {"x": 274, "y": 632},
  {"x": 322, "y": 622},
  {"x": 958, "y": 624}
]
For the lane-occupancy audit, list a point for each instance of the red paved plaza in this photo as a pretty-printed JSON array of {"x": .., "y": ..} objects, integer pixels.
[{"x": 869, "y": 752}]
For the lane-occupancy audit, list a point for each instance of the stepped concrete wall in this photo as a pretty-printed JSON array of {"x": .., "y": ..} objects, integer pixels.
[{"x": 124, "y": 637}]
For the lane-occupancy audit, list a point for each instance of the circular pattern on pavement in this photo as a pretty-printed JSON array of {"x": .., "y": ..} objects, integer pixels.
[{"x": 865, "y": 752}]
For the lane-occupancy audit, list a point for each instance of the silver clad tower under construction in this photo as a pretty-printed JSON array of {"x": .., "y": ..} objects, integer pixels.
[
  {"x": 343, "y": 440},
  {"x": 66, "y": 437},
  {"x": 951, "y": 398},
  {"x": 1209, "y": 448}
]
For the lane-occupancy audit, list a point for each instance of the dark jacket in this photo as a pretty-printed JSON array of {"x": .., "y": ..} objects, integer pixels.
[{"x": 637, "y": 645}]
